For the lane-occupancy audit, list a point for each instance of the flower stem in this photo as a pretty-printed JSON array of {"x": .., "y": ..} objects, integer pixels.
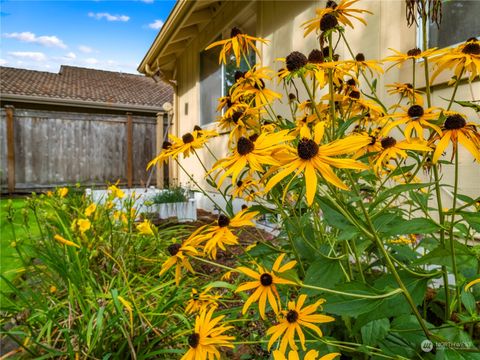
[{"x": 354, "y": 295}]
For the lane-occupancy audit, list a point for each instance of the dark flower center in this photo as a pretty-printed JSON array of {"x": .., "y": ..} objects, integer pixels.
[
  {"x": 259, "y": 85},
  {"x": 354, "y": 94},
  {"x": 292, "y": 316},
  {"x": 195, "y": 297},
  {"x": 253, "y": 137},
  {"x": 236, "y": 116},
  {"x": 197, "y": 128},
  {"x": 315, "y": 56},
  {"x": 166, "y": 145},
  {"x": 331, "y": 4},
  {"x": 174, "y": 249},
  {"x": 360, "y": 57},
  {"x": 472, "y": 48},
  {"x": 194, "y": 340},
  {"x": 351, "y": 82},
  {"x": 244, "y": 207},
  {"x": 414, "y": 52},
  {"x": 409, "y": 86},
  {"x": 327, "y": 22},
  {"x": 187, "y": 138},
  {"x": 239, "y": 183},
  {"x": 266, "y": 279},
  {"x": 291, "y": 97},
  {"x": 223, "y": 220},
  {"x": 415, "y": 111},
  {"x": 388, "y": 142},
  {"x": 307, "y": 149},
  {"x": 374, "y": 140},
  {"x": 295, "y": 60},
  {"x": 239, "y": 75},
  {"x": 245, "y": 146},
  {"x": 235, "y": 31},
  {"x": 455, "y": 122}
]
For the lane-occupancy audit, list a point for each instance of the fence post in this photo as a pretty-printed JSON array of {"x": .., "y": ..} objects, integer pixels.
[
  {"x": 9, "y": 109},
  {"x": 129, "y": 150},
  {"x": 159, "y": 146}
]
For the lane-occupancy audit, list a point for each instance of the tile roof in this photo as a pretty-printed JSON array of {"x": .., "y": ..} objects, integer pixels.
[{"x": 82, "y": 84}]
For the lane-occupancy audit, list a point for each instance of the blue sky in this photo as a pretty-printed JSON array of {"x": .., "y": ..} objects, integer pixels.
[{"x": 108, "y": 35}]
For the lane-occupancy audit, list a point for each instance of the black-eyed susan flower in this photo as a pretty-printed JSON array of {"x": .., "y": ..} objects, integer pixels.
[
  {"x": 200, "y": 301},
  {"x": 372, "y": 147},
  {"x": 220, "y": 235},
  {"x": 254, "y": 152},
  {"x": 292, "y": 321},
  {"x": 407, "y": 91},
  {"x": 207, "y": 337},
  {"x": 265, "y": 285},
  {"x": 415, "y": 118},
  {"x": 361, "y": 64},
  {"x": 179, "y": 254},
  {"x": 457, "y": 130},
  {"x": 310, "y": 355},
  {"x": 247, "y": 189},
  {"x": 239, "y": 44},
  {"x": 465, "y": 57},
  {"x": 310, "y": 157},
  {"x": 413, "y": 54},
  {"x": 342, "y": 11},
  {"x": 393, "y": 149}
]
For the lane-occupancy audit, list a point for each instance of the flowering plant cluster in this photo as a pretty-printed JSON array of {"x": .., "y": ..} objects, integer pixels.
[{"x": 356, "y": 186}]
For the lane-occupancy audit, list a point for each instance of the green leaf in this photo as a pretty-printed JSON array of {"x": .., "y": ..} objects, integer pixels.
[
  {"x": 384, "y": 195},
  {"x": 375, "y": 331},
  {"x": 468, "y": 104},
  {"x": 473, "y": 219},
  {"x": 468, "y": 300},
  {"x": 324, "y": 273},
  {"x": 414, "y": 226}
]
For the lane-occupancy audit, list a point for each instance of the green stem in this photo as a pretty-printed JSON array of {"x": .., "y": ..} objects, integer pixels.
[
  {"x": 357, "y": 260},
  {"x": 330, "y": 87},
  {"x": 455, "y": 88},
  {"x": 354, "y": 295},
  {"x": 310, "y": 95},
  {"x": 452, "y": 243}
]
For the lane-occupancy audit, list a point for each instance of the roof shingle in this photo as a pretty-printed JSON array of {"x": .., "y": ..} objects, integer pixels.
[{"x": 82, "y": 84}]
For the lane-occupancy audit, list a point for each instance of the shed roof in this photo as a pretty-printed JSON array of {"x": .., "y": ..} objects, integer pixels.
[{"x": 76, "y": 85}]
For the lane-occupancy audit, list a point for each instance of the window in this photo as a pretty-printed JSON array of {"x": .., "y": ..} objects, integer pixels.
[
  {"x": 216, "y": 80},
  {"x": 459, "y": 23}
]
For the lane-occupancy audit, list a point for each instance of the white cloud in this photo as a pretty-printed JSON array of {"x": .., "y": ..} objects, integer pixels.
[
  {"x": 85, "y": 49},
  {"x": 71, "y": 56},
  {"x": 32, "y": 55},
  {"x": 109, "y": 17},
  {"x": 147, "y": 1},
  {"x": 156, "y": 25},
  {"x": 30, "y": 37},
  {"x": 3, "y": 62},
  {"x": 91, "y": 61}
]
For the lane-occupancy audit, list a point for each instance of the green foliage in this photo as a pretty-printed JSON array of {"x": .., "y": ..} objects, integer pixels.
[{"x": 171, "y": 195}]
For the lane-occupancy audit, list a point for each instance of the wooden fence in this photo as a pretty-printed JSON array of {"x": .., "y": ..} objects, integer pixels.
[{"x": 44, "y": 148}]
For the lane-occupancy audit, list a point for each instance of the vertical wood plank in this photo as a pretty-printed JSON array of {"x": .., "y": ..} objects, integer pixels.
[
  {"x": 10, "y": 149},
  {"x": 159, "y": 145},
  {"x": 129, "y": 150}
]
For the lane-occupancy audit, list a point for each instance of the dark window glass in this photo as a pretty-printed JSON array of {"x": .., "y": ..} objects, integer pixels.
[
  {"x": 231, "y": 67},
  {"x": 460, "y": 21}
]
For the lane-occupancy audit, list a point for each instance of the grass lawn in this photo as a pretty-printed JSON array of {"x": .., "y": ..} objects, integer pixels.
[{"x": 9, "y": 260}]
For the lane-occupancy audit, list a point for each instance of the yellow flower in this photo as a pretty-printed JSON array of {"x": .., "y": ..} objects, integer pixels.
[
  {"x": 416, "y": 118},
  {"x": 361, "y": 64},
  {"x": 62, "y": 192},
  {"x": 246, "y": 189},
  {"x": 64, "y": 241},
  {"x": 342, "y": 12},
  {"x": 83, "y": 225},
  {"x": 145, "y": 228},
  {"x": 471, "y": 283},
  {"x": 310, "y": 157},
  {"x": 179, "y": 256},
  {"x": 116, "y": 192},
  {"x": 254, "y": 152},
  {"x": 217, "y": 236},
  {"x": 293, "y": 320},
  {"x": 465, "y": 57},
  {"x": 53, "y": 289},
  {"x": 404, "y": 240},
  {"x": 391, "y": 149},
  {"x": 200, "y": 301},
  {"x": 413, "y": 54},
  {"x": 407, "y": 91},
  {"x": 207, "y": 336},
  {"x": 238, "y": 43},
  {"x": 90, "y": 209},
  {"x": 311, "y": 355},
  {"x": 49, "y": 193},
  {"x": 455, "y": 130},
  {"x": 265, "y": 284}
]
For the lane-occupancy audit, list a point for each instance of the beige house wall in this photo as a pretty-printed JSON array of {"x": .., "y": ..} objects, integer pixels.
[{"x": 280, "y": 22}]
